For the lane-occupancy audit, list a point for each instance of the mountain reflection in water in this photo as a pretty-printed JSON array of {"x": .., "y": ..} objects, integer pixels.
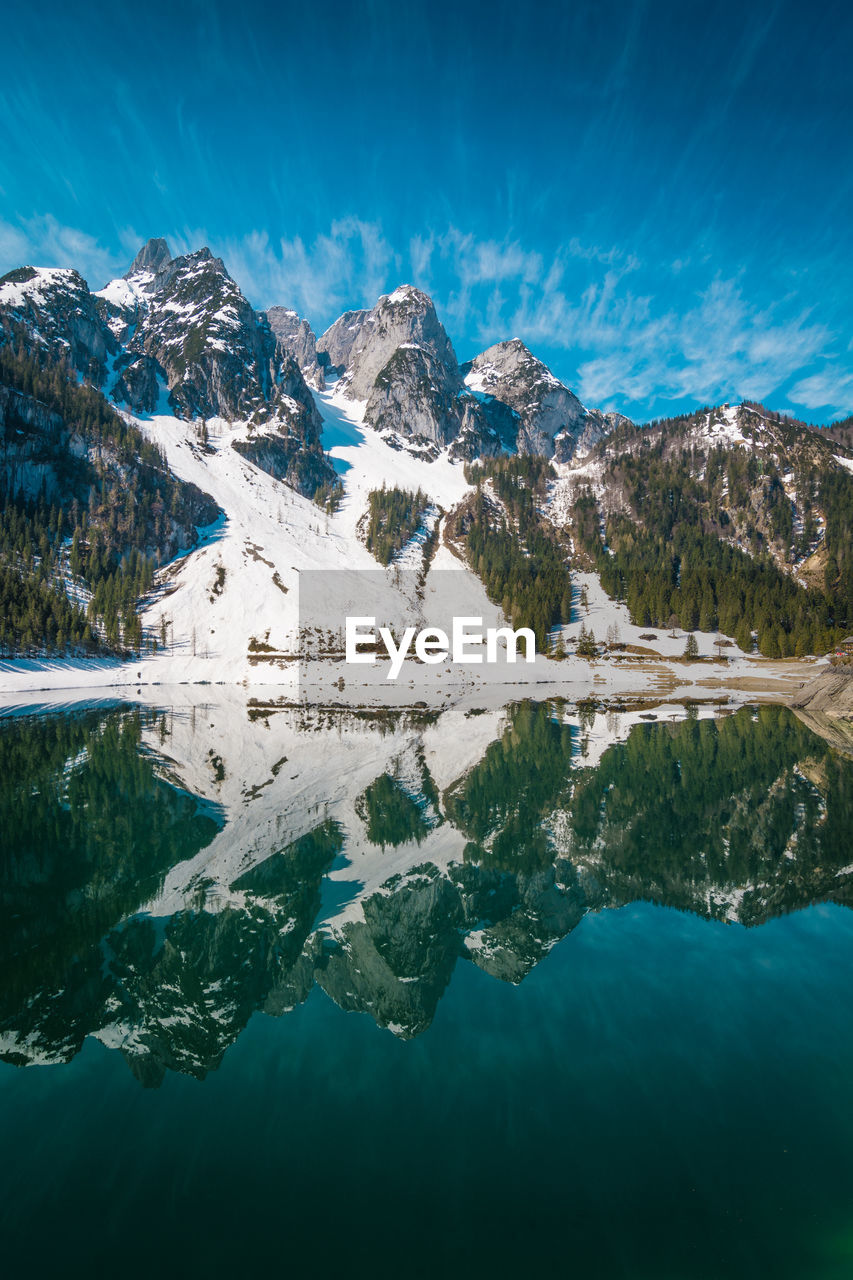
[{"x": 164, "y": 874}]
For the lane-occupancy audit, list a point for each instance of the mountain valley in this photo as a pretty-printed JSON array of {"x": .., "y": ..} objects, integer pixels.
[{"x": 175, "y": 461}]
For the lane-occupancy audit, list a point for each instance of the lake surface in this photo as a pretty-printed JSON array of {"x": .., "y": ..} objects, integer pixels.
[{"x": 548, "y": 988}]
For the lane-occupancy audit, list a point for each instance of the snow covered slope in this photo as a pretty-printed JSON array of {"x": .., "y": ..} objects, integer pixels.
[{"x": 242, "y": 586}]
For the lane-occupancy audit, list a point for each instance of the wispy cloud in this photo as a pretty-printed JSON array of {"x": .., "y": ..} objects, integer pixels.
[
  {"x": 720, "y": 347},
  {"x": 42, "y": 241},
  {"x": 633, "y": 334},
  {"x": 350, "y": 265},
  {"x": 831, "y": 387}
]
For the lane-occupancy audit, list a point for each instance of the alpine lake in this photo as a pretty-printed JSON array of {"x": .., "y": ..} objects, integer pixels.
[{"x": 548, "y": 989}]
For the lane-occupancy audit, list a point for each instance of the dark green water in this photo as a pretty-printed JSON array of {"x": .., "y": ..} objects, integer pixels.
[{"x": 619, "y": 986}]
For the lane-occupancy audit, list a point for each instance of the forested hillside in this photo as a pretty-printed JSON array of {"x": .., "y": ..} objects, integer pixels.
[
  {"x": 88, "y": 509},
  {"x": 517, "y": 554},
  {"x": 393, "y": 517},
  {"x": 739, "y": 524}
]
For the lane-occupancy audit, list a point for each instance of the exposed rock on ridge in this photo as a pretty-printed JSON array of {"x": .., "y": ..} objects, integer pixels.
[{"x": 296, "y": 337}]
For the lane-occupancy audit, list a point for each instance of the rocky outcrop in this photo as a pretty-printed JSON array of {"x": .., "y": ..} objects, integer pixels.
[
  {"x": 335, "y": 346},
  {"x": 288, "y": 446},
  {"x": 194, "y": 321},
  {"x": 31, "y": 437},
  {"x": 190, "y": 334},
  {"x": 139, "y": 382},
  {"x": 177, "y": 335},
  {"x": 404, "y": 318},
  {"x": 550, "y": 419},
  {"x": 399, "y": 359},
  {"x": 296, "y": 338},
  {"x": 416, "y": 396},
  {"x": 52, "y": 309},
  {"x": 825, "y": 704},
  {"x": 595, "y": 427},
  {"x": 154, "y": 256},
  {"x": 830, "y": 692}
]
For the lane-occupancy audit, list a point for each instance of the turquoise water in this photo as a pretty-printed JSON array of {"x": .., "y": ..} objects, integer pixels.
[{"x": 595, "y": 1067}]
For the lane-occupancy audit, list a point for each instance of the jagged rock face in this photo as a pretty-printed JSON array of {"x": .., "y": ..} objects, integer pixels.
[
  {"x": 200, "y": 329},
  {"x": 52, "y": 308},
  {"x": 289, "y": 447},
  {"x": 139, "y": 382},
  {"x": 294, "y": 403},
  {"x": 416, "y": 396},
  {"x": 179, "y": 325},
  {"x": 30, "y": 433},
  {"x": 152, "y": 257},
  {"x": 545, "y": 409},
  {"x": 486, "y": 429},
  {"x": 187, "y": 328},
  {"x": 177, "y": 335},
  {"x": 399, "y": 359},
  {"x": 335, "y": 346},
  {"x": 595, "y": 427},
  {"x": 403, "y": 318},
  {"x": 43, "y": 452},
  {"x": 296, "y": 337}
]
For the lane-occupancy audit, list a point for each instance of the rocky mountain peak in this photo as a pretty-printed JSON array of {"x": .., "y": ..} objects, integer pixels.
[
  {"x": 508, "y": 360},
  {"x": 546, "y": 410},
  {"x": 53, "y": 308},
  {"x": 367, "y": 340},
  {"x": 152, "y": 257},
  {"x": 295, "y": 336},
  {"x": 407, "y": 295},
  {"x": 335, "y": 346},
  {"x": 192, "y": 344}
]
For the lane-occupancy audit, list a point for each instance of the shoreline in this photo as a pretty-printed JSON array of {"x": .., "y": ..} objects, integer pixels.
[{"x": 619, "y": 679}]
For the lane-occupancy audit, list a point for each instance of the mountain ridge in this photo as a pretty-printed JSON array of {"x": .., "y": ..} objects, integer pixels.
[{"x": 223, "y": 392}]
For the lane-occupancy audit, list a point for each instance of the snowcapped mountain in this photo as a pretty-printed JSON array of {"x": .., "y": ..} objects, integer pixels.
[
  {"x": 549, "y": 418},
  {"x": 296, "y": 336},
  {"x": 184, "y": 325},
  {"x": 399, "y": 360},
  {"x": 176, "y": 335},
  {"x": 754, "y": 474},
  {"x": 51, "y": 308},
  {"x": 405, "y": 318},
  {"x": 223, "y": 393},
  {"x": 505, "y": 830}
]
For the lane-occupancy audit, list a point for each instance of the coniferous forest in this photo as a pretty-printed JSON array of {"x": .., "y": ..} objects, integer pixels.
[
  {"x": 88, "y": 509},
  {"x": 678, "y": 545},
  {"x": 393, "y": 517},
  {"x": 516, "y": 553}
]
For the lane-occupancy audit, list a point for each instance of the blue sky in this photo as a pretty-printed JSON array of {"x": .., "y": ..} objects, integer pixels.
[{"x": 657, "y": 197}]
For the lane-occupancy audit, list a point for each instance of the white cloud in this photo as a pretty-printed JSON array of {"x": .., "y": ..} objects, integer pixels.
[
  {"x": 719, "y": 347},
  {"x": 831, "y": 386},
  {"x": 42, "y": 241},
  {"x": 613, "y": 315},
  {"x": 348, "y": 266},
  {"x": 421, "y": 249}
]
